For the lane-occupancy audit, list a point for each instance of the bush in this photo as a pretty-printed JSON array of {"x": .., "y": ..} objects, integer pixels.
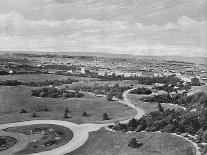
[
  {"x": 105, "y": 116},
  {"x": 22, "y": 111},
  {"x": 85, "y": 113},
  {"x": 66, "y": 113},
  {"x": 34, "y": 115},
  {"x": 169, "y": 128},
  {"x": 109, "y": 96},
  {"x": 133, "y": 143}
]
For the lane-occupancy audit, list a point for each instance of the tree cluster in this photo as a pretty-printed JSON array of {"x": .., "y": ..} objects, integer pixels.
[
  {"x": 50, "y": 82},
  {"x": 38, "y": 83},
  {"x": 141, "y": 91},
  {"x": 172, "y": 121},
  {"x": 53, "y": 92},
  {"x": 173, "y": 87},
  {"x": 109, "y": 91},
  {"x": 180, "y": 99}
]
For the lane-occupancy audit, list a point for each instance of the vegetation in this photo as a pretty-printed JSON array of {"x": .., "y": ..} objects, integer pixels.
[
  {"x": 22, "y": 111},
  {"x": 38, "y": 83},
  {"x": 54, "y": 136},
  {"x": 85, "y": 113},
  {"x": 180, "y": 99},
  {"x": 7, "y": 142},
  {"x": 109, "y": 91},
  {"x": 53, "y": 92},
  {"x": 105, "y": 116},
  {"x": 134, "y": 144},
  {"x": 173, "y": 87},
  {"x": 141, "y": 91},
  {"x": 173, "y": 121},
  {"x": 67, "y": 113},
  {"x": 172, "y": 79}
]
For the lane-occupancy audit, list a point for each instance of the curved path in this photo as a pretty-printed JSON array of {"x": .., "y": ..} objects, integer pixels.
[{"x": 80, "y": 132}]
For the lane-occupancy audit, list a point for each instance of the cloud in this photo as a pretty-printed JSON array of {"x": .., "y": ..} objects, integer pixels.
[{"x": 186, "y": 35}]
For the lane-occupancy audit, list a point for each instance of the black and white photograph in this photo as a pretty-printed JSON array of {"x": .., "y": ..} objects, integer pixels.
[{"x": 103, "y": 77}]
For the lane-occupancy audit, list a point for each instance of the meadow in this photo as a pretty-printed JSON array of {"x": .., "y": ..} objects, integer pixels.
[
  {"x": 14, "y": 98},
  {"x": 104, "y": 142}
]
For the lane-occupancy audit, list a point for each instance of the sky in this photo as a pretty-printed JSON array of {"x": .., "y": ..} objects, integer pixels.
[{"x": 140, "y": 27}]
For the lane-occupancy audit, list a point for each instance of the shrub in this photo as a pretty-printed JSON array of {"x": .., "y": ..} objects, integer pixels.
[
  {"x": 85, "y": 113},
  {"x": 133, "y": 143},
  {"x": 109, "y": 96},
  {"x": 22, "y": 111},
  {"x": 160, "y": 108},
  {"x": 105, "y": 116},
  {"x": 169, "y": 128},
  {"x": 34, "y": 115}
]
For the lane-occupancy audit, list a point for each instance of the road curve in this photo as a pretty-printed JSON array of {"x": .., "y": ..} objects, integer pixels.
[{"x": 80, "y": 134}]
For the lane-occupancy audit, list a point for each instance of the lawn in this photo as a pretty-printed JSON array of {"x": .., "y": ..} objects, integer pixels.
[
  {"x": 147, "y": 107},
  {"x": 52, "y": 136},
  {"x": 12, "y": 99},
  {"x": 104, "y": 142}
]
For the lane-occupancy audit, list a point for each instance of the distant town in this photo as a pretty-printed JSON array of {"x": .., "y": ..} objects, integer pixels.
[{"x": 94, "y": 66}]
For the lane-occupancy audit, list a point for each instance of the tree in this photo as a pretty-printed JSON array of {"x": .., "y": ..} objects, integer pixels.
[
  {"x": 22, "y": 111},
  {"x": 66, "y": 112},
  {"x": 34, "y": 115},
  {"x": 109, "y": 96},
  {"x": 85, "y": 113},
  {"x": 105, "y": 116},
  {"x": 169, "y": 128},
  {"x": 133, "y": 143},
  {"x": 161, "y": 109}
]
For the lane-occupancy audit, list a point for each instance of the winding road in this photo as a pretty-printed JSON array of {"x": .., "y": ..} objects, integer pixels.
[{"x": 80, "y": 132}]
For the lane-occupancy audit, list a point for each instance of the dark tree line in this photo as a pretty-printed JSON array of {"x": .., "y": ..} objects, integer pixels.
[
  {"x": 141, "y": 91},
  {"x": 109, "y": 91},
  {"x": 38, "y": 83},
  {"x": 52, "y": 92}
]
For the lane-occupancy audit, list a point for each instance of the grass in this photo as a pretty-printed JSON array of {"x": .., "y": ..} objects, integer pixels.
[
  {"x": 104, "y": 142},
  {"x": 12, "y": 99},
  {"x": 147, "y": 107},
  {"x": 54, "y": 136}
]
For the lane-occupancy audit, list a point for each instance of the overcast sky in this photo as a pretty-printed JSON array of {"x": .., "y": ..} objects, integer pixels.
[{"x": 157, "y": 27}]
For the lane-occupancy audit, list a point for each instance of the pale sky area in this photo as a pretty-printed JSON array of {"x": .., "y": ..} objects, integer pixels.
[{"x": 146, "y": 27}]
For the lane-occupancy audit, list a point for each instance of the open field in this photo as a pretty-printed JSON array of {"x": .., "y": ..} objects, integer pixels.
[
  {"x": 54, "y": 136},
  {"x": 147, "y": 107},
  {"x": 12, "y": 99},
  {"x": 105, "y": 142}
]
